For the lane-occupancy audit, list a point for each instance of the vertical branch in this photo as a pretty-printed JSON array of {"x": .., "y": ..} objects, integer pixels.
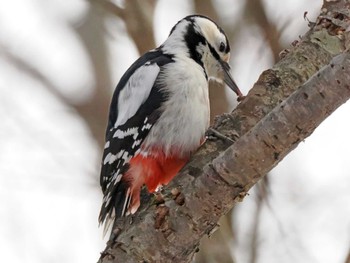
[
  {"x": 138, "y": 18},
  {"x": 95, "y": 110},
  {"x": 139, "y": 23},
  {"x": 261, "y": 197},
  {"x": 347, "y": 260},
  {"x": 255, "y": 9},
  {"x": 207, "y": 8}
]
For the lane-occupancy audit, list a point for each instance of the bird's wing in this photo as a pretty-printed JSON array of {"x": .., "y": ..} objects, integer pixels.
[{"x": 134, "y": 109}]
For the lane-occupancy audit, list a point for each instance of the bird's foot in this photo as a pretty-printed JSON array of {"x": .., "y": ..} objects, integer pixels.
[{"x": 213, "y": 134}]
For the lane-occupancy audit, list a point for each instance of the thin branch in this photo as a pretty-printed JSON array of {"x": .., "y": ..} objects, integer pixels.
[
  {"x": 95, "y": 110},
  {"x": 111, "y": 7},
  {"x": 257, "y": 11},
  {"x": 347, "y": 260},
  {"x": 138, "y": 17},
  {"x": 262, "y": 193}
]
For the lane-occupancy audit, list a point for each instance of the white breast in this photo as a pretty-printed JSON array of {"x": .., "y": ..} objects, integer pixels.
[{"x": 185, "y": 117}]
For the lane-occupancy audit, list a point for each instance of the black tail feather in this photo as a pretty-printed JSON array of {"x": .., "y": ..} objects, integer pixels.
[{"x": 114, "y": 207}]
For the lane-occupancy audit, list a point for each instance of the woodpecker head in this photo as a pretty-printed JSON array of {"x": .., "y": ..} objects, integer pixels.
[{"x": 201, "y": 39}]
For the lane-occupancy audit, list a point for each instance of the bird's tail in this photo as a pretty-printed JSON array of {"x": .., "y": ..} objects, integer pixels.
[{"x": 114, "y": 206}]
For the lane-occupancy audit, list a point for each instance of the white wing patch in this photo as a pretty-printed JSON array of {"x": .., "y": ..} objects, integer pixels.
[
  {"x": 136, "y": 143},
  {"x": 146, "y": 127},
  {"x": 122, "y": 134},
  {"x": 136, "y": 92},
  {"x": 110, "y": 158},
  {"x": 107, "y": 144}
]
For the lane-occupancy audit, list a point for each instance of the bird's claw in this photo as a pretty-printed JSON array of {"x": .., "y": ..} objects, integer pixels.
[{"x": 214, "y": 134}]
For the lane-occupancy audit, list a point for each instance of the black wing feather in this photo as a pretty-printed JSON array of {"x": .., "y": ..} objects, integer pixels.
[
  {"x": 115, "y": 191},
  {"x": 155, "y": 56}
]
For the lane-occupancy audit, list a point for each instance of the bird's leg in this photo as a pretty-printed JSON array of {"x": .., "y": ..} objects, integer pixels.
[{"x": 212, "y": 133}]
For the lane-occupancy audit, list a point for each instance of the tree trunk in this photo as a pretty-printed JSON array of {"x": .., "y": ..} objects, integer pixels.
[{"x": 283, "y": 108}]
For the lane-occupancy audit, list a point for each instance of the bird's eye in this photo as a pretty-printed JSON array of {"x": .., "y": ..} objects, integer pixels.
[{"x": 222, "y": 47}]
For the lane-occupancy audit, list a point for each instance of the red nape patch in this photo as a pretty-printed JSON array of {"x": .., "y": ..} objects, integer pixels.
[{"x": 158, "y": 170}]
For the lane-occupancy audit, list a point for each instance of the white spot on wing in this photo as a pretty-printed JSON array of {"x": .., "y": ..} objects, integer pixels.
[
  {"x": 107, "y": 158},
  {"x": 126, "y": 156},
  {"x": 107, "y": 200},
  {"x": 146, "y": 127},
  {"x": 110, "y": 158},
  {"x": 136, "y": 143},
  {"x": 136, "y": 92},
  {"x": 122, "y": 134},
  {"x": 107, "y": 144},
  {"x": 119, "y": 177}
]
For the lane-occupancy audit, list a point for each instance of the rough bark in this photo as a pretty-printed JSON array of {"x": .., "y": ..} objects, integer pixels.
[{"x": 283, "y": 108}]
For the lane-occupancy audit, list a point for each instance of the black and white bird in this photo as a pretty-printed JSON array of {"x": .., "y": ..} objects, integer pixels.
[{"x": 160, "y": 112}]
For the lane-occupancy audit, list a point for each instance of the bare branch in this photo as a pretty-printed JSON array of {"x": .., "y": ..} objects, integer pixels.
[
  {"x": 95, "y": 110},
  {"x": 118, "y": 11},
  {"x": 276, "y": 115},
  {"x": 272, "y": 35},
  {"x": 236, "y": 169},
  {"x": 138, "y": 18},
  {"x": 207, "y": 8},
  {"x": 261, "y": 189},
  {"x": 139, "y": 22},
  {"x": 347, "y": 260}
]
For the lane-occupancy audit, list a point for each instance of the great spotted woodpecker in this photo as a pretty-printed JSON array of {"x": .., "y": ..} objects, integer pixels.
[{"x": 160, "y": 112}]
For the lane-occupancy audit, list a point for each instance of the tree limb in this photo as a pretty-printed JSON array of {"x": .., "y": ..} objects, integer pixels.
[
  {"x": 347, "y": 260},
  {"x": 272, "y": 35},
  {"x": 277, "y": 114},
  {"x": 138, "y": 18}
]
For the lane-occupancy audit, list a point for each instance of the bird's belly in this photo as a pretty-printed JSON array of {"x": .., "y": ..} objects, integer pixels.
[{"x": 181, "y": 128}]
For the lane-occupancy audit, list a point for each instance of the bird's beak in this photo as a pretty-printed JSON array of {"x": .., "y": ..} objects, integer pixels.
[{"x": 229, "y": 80}]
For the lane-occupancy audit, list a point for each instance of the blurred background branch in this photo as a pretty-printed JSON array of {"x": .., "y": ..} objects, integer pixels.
[
  {"x": 347, "y": 260},
  {"x": 255, "y": 11},
  {"x": 138, "y": 18}
]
